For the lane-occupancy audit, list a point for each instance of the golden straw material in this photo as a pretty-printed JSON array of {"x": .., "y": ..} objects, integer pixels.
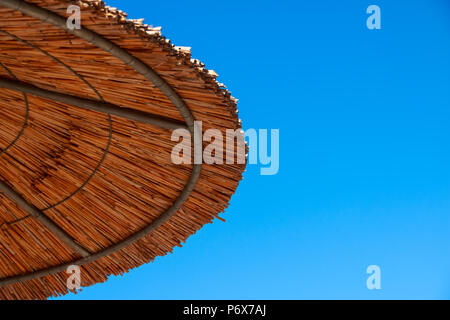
[{"x": 79, "y": 183}]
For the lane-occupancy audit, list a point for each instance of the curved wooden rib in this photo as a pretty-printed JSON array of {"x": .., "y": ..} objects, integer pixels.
[
  {"x": 25, "y": 121},
  {"x": 108, "y": 46}
]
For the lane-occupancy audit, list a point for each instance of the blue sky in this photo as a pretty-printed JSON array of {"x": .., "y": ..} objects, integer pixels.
[{"x": 364, "y": 152}]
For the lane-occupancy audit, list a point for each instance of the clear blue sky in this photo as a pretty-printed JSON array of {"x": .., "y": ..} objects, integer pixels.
[{"x": 364, "y": 119}]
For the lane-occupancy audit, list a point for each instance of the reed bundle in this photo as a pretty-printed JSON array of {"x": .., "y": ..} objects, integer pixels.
[{"x": 99, "y": 178}]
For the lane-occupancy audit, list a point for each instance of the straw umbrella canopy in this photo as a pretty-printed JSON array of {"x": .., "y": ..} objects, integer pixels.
[{"x": 86, "y": 123}]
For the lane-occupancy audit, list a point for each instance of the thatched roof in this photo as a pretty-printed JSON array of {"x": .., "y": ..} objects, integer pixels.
[{"x": 92, "y": 188}]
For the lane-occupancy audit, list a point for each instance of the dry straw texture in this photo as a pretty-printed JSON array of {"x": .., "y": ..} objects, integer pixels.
[{"x": 108, "y": 182}]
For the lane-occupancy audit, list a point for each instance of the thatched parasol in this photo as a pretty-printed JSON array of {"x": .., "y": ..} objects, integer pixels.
[{"x": 86, "y": 118}]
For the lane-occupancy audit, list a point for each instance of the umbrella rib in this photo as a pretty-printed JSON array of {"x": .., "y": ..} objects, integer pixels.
[
  {"x": 33, "y": 211},
  {"x": 140, "y": 67},
  {"x": 93, "y": 105}
]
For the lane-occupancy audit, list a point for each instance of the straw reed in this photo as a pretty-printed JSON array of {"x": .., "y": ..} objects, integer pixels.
[{"x": 100, "y": 178}]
